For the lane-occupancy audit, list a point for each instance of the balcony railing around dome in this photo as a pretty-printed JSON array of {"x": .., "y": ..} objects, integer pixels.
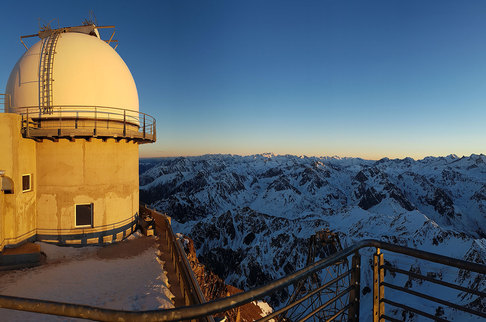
[
  {"x": 72, "y": 121},
  {"x": 4, "y": 102}
]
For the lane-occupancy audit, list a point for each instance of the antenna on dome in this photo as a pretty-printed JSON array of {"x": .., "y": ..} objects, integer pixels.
[
  {"x": 91, "y": 20},
  {"x": 47, "y": 26}
]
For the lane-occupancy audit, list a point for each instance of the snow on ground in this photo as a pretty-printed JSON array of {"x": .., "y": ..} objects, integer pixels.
[
  {"x": 266, "y": 309},
  {"x": 124, "y": 276}
]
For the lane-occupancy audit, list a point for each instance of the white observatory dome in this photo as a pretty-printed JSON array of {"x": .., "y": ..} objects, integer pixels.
[{"x": 86, "y": 71}]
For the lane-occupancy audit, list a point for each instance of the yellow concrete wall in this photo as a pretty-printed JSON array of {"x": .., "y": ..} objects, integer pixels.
[
  {"x": 2, "y": 221},
  {"x": 17, "y": 157},
  {"x": 102, "y": 173},
  {"x": 64, "y": 174}
]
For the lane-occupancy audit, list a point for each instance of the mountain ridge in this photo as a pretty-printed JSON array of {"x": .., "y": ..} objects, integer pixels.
[{"x": 250, "y": 216}]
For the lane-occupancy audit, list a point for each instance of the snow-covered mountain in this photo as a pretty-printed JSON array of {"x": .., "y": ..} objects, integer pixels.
[{"x": 251, "y": 216}]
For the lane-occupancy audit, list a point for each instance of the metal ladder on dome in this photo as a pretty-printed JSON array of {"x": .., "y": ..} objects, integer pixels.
[{"x": 45, "y": 72}]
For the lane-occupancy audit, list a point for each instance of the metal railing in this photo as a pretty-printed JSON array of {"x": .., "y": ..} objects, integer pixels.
[
  {"x": 4, "y": 102},
  {"x": 190, "y": 290},
  {"x": 419, "y": 298},
  {"x": 59, "y": 236},
  {"x": 73, "y": 121},
  {"x": 350, "y": 310}
]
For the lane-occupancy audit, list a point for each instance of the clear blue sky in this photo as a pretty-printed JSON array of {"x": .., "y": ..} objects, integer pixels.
[{"x": 349, "y": 78}]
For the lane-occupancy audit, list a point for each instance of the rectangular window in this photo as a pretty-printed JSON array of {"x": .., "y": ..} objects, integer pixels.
[
  {"x": 84, "y": 215},
  {"x": 26, "y": 182}
]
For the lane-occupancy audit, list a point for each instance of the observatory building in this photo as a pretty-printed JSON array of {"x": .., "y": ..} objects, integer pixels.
[{"x": 69, "y": 142}]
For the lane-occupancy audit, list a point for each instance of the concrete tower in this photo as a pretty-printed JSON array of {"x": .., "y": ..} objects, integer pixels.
[{"x": 69, "y": 148}]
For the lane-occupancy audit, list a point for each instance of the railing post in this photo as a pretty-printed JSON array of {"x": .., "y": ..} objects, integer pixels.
[
  {"x": 378, "y": 287},
  {"x": 353, "y": 313},
  {"x": 124, "y": 122},
  {"x": 60, "y": 122},
  {"x": 144, "y": 126},
  {"x": 6, "y": 103},
  {"x": 382, "y": 287},
  {"x": 95, "y": 121},
  {"x": 27, "y": 125}
]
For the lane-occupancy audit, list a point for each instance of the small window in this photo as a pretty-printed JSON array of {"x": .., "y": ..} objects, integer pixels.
[
  {"x": 84, "y": 215},
  {"x": 6, "y": 185},
  {"x": 26, "y": 182}
]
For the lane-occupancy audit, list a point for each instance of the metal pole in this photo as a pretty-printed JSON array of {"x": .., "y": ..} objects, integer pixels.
[
  {"x": 154, "y": 130},
  {"x": 378, "y": 288},
  {"x": 96, "y": 119},
  {"x": 22, "y": 122},
  {"x": 382, "y": 287},
  {"x": 124, "y": 123},
  {"x": 27, "y": 124},
  {"x": 60, "y": 122},
  {"x": 353, "y": 313},
  {"x": 144, "y": 126}
]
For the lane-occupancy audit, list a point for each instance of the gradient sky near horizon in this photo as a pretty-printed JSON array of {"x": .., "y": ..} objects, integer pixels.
[{"x": 366, "y": 79}]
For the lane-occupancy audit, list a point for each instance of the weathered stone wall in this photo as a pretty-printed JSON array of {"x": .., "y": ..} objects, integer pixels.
[{"x": 17, "y": 158}]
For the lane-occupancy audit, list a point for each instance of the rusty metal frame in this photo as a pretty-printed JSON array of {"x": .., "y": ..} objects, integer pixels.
[
  {"x": 307, "y": 296},
  {"x": 109, "y": 41},
  {"x": 312, "y": 307},
  {"x": 65, "y": 29},
  {"x": 26, "y": 36},
  {"x": 323, "y": 306}
]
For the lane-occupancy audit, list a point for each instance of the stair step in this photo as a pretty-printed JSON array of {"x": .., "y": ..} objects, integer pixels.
[{"x": 26, "y": 255}]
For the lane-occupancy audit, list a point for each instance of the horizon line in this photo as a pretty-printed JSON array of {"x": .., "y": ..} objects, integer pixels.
[{"x": 271, "y": 154}]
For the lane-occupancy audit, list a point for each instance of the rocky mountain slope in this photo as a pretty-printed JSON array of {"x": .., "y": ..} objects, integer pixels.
[
  {"x": 213, "y": 288},
  {"x": 250, "y": 216}
]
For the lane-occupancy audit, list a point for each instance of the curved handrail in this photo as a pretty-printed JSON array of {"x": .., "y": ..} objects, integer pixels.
[
  {"x": 63, "y": 230},
  {"x": 162, "y": 223},
  {"x": 36, "y": 108},
  {"x": 221, "y": 305},
  {"x": 77, "y": 119},
  {"x": 58, "y": 110}
]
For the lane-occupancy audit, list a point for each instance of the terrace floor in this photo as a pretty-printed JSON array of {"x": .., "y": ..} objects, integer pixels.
[{"x": 126, "y": 276}]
